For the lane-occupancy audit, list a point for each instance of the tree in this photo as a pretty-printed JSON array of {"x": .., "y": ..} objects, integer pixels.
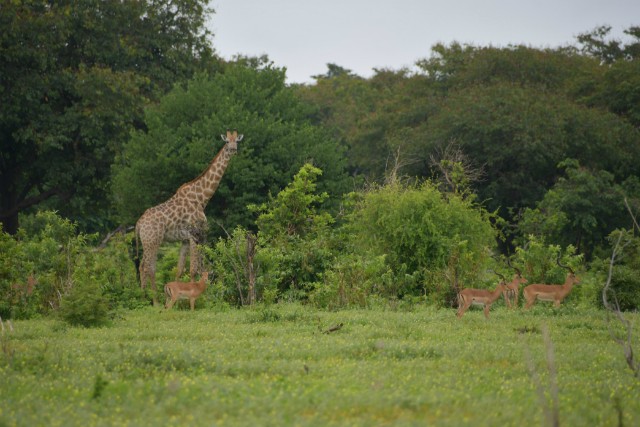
[
  {"x": 294, "y": 234},
  {"x": 373, "y": 118},
  {"x": 581, "y": 209},
  {"x": 521, "y": 134},
  {"x": 182, "y": 138},
  {"x": 618, "y": 86},
  {"x": 454, "y": 67},
  {"x": 596, "y": 43},
  {"x": 74, "y": 77}
]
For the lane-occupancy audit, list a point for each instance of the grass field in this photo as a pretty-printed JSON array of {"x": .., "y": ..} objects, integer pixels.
[{"x": 275, "y": 367}]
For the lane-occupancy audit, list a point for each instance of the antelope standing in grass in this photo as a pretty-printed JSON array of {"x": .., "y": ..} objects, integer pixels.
[
  {"x": 185, "y": 290},
  {"x": 481, "y": 297},
  {"x": 513, "y": 287},
  {"x": 555, "y": 293}
]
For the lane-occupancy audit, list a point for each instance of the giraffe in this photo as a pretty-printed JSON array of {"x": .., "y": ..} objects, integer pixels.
[{"x": 182, "y": 218}]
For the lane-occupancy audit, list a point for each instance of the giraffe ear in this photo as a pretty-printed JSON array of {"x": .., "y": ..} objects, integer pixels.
[{"x": 239, "y": 138}]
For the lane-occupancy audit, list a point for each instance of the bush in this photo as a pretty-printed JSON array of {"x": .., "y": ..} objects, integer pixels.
[
  {"x": 84, "y": 304},
  {"x": 48, "y": 258},
  {"x": 352, "y": 280},
  {"x": 38, "y": 263},
  {"x": 424, "y": 234}
]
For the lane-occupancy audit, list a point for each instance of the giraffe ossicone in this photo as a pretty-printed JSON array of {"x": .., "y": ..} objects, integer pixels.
[{"x": 181, "y": 218}]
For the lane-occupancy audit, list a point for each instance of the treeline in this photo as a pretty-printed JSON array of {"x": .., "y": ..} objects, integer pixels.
[{"x": 109, "y": 107}]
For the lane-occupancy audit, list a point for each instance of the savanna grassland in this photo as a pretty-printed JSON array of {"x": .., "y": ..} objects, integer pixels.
[{"x": 277, "y": 366}]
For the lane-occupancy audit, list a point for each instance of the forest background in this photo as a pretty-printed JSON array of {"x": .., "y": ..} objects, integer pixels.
[{"x": 403, "y": 187}]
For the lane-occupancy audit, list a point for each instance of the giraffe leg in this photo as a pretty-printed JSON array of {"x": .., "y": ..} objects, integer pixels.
[
  {"x": 194, "y": 260},
  {"x": 148, "y": 271},
  {"x": 182, "y": 259}
]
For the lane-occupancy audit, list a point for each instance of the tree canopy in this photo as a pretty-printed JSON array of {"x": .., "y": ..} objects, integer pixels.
[
  {"x": 109, "y": 106},
  {"x": 74, "y": 78},
  {"x": 182, "y": 137}
]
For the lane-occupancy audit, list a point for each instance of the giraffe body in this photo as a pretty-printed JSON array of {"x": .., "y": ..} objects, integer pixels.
[{"x": 182, "y": 218}]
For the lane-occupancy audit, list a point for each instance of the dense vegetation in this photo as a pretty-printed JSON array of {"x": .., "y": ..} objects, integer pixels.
[
  {"x": 404, "y": 186},
  {"x": 341, "y": 233}
]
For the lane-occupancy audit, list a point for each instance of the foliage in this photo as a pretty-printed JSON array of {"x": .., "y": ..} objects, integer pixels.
[
  {"x": 180, "y": 142},
  {"x": 596, "y": 43},
  {"x": 74, "y": 77},
  {"x": 84, "y": 304},
  {"x": 294, "y": 235},
  {"x": 520, "y": 135},
  {"x": 538, "y": 261},
  {"x": 580, "y": 209},
  {"x": 38, "y": 264},
  {"x": 229, "y": 367},
  {"x": 48, "y": 258},
  {"x": 355, "y": 280},
  {"x": 455, "y": 66},
  {"x": 421, "y": 232},
  {"x": 293, "y": 210},
  {"x": 625, "y": 278},
  {"x": 517, "y": 111},
  {"x": 228, "y": 262},
  {"x": 373, "y": 118}
]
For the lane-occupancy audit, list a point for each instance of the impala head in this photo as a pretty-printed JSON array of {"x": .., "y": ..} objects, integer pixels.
[
  {"x": 232, "y": 139},
  {"x": 516, "y": 269},
  {"x": 571, "y": 276},
  {"x": 518, "y": 279},
  {"x": 502, "y": 278}
]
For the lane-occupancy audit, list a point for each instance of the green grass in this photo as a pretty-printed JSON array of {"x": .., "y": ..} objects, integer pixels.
[{"x": 274, "y": 367}]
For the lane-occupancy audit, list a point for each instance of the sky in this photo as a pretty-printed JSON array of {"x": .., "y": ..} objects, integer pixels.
[{"x": 303, "y": 36}]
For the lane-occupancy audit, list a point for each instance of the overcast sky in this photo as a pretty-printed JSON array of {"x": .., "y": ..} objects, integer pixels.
[{"x": 360, "y": 35}]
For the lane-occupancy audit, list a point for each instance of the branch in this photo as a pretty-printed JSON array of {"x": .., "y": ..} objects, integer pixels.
[
  {"x": 30, "y": 201},
  {"x": 121, "y": 229},
  {"x": 626, "y": 203},
  {"x": 626, "y": 342}
]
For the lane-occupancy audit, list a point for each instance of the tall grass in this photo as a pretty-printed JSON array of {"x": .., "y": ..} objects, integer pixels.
[{"x": 276, "y": 366}]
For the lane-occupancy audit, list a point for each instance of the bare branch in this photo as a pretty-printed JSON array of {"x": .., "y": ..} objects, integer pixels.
[
  {"x": 455, "y": 167},
  {"x": 613, "y": 307}
]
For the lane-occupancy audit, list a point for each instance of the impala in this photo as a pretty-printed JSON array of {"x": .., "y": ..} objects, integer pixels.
[
  {"x": 513, "y": 287},
  {"x": 481, "y": 297},
  {"x": 555, "y": 293},
  {"x": 185, "y": 290}
]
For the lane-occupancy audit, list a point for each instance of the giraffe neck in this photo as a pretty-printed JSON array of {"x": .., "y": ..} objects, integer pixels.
[{"x": 202, "y": 188}]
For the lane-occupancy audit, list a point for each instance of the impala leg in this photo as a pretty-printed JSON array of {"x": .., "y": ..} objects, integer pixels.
[
  {"x": 192, "y": 302},
  {"x": 486, "y": 310},
  {"x": 507, "y": 299},
  {"x": 530, "y": 302},
  {"x": 463, "y": 308}
]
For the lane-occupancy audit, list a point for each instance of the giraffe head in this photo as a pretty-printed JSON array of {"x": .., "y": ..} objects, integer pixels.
[{"x": 232, "y": 139}]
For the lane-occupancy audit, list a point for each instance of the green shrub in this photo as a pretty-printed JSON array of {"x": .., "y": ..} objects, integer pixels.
[
  {"x": 84, "y": 304},
  {"x": 431, "y": 241},
  {"x": 38, "y": 263},
  {"x": 47, "y": 259},
  {"x": 352, "y": 280}
]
